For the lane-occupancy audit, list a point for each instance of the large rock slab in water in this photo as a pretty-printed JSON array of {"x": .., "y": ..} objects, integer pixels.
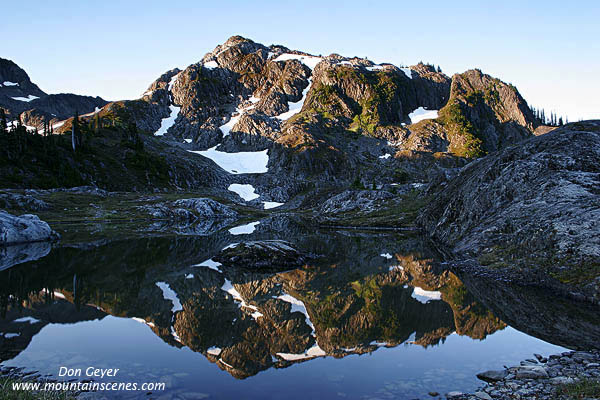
[
  {"x": 24, "y": 229},
  {"x": 262, "y": 256},
  {"x": 531, "y": 211}
]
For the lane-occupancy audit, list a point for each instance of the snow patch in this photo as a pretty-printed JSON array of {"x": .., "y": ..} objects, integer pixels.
[
  {"x": 396, "y": 268},
  {"x": 8, "y": 83},
  {"x": 375, "y": 68},
  {"x": 407, "y": 72},
  {"x": 27, "y": 99},
  {"x": 246, "y": 192},
  {"x": 169, "y": 294},
  {"x": 244, "y": 162},
  {"x": 211, "y": 65},
  {"x": 385, "y": 156},
  {"x": 187, "y": 140},
  {"x": 271, "y": 204},
  {"x": 386, "y": 255},
  {"x": 425, "y": 296},
  {"x": 295, "y": 108},
  {"x": 236, "y": 115},
  {"x": 168, "y": 122},
  {"x": 244, "y": 229},
  {"x": 143, "y": 321},
  {"x": 310, "y": 61},
  {"x": 421, "y": 113}
]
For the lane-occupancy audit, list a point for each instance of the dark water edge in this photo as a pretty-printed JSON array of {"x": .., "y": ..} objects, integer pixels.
[{"x": 372, "y": 315}]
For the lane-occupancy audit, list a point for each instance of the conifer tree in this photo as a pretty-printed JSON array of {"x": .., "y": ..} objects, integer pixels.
[{"x": 75, "y": 132}]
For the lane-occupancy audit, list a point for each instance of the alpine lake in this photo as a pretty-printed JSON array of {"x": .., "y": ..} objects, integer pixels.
[{"x": 368, "y": 315}]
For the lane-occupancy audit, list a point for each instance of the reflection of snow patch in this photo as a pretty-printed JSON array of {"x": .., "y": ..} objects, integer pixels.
[
  {"x": 246, "y": 192},
  {"x": 244, "y": 229},
  {"x": 297, "y": 305},
  {"x": 421, "y": 113},
  {"x": 8, "y": 83},
  {"x": 169, "y": 294},
  {"x": 143, "y": 321},
  {"x": 228, "y": 287},
  {"x": 313, "y": 352},
  {"x": 385, "y": 156},
  {"x": 396, "y": 268},
  {"x": 425, "y": 296},
  {"x": 31, "y": 320},
  {"x": 214, "y": 351},
  {"x": 244, "y": 162},
  {"x": 11, "y": 335},
  {"x": 210, "y": 264},
  {"x": 386, "y": 255},
  {"x": 27, "y": 99}
]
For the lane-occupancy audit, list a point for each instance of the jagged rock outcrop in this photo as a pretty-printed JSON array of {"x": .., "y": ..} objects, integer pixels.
[
  {"x": 530, "y": 211},
  {"x": 26, "y": 228}
]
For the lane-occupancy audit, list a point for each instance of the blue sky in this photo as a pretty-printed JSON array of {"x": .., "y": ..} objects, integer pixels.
[{"x": 549, "y": 49}]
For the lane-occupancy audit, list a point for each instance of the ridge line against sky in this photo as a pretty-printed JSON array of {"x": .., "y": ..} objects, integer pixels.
[{"x": 549, "y": 50}]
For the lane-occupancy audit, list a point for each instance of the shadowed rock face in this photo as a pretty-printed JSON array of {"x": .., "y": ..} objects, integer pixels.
[{"x": 529, "y": 212}]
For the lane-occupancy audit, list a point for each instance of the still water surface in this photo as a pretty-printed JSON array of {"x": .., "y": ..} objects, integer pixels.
[{"x": 369, "y": 316}]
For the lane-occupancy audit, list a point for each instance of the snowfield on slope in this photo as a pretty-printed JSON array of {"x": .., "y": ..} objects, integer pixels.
[
  {"x": 244, "y": 162},
  {"x": 168, "y": 122},
  {"x": 421, "y": 114}
]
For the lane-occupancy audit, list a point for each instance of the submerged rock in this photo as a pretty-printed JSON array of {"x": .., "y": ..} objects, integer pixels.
[
  {"x": 26, "y": 228},
  {"x": 266, "y": 255}
]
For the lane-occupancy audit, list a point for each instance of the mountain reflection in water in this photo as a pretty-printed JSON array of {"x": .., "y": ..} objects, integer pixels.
[{"x": 359, "y": 292}]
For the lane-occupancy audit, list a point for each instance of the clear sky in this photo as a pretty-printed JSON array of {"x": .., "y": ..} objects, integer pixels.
[{"x": 549, "y": 49}]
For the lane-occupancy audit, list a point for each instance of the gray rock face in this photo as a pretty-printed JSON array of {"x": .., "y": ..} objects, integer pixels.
[
  {"x": 24, "y": 229},
  {"x": 535, "y": 204},
  {"x": 350, "y": 200},
  {"x": 206, "y": 208}
]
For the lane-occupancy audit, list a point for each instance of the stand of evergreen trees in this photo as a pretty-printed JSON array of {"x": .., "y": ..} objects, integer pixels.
[{"x": 553, "y": 119}]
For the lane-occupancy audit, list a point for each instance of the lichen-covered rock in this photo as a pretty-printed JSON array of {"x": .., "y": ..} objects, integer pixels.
[
  {"x": 26, "y": 228},
  {"x": 531, "y": 209}
]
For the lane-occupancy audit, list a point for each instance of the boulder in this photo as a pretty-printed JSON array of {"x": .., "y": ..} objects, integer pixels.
[
  {"x": 262, "y": 256},
  {"x": 492, "y": 376},
  {"x": 26, "y": 228},
  {"x": 531, "y": 372}
]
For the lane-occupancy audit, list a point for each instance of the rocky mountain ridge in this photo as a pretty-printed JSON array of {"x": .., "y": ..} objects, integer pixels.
[{"x": 23, "y": 100}]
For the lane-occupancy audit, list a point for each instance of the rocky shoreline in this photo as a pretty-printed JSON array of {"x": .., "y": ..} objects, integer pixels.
[{"x": 569, "y": 375}]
